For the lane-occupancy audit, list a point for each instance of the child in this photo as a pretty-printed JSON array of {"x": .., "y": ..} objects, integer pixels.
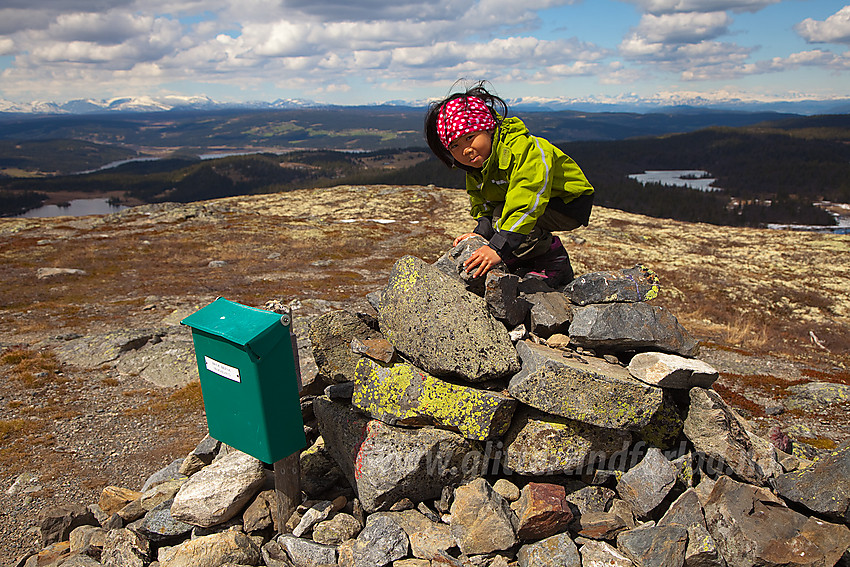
[{"x": 521, "y": 188}]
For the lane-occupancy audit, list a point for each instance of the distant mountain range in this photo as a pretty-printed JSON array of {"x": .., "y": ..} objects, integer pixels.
[
  {"x": 683, "y": 103},
  {"x": 144, "y": 104}
]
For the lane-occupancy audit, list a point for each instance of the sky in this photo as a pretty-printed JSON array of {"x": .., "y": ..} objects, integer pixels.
[{"x": 374, "y": 51}]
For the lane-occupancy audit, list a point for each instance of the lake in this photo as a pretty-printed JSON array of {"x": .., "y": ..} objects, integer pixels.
[
  {"x": 693, "y": 178},
  {"x": 78, "y": 208}
]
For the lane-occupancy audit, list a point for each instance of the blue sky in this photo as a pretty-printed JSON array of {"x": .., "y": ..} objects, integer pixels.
[{"x": 372, "y": 51}]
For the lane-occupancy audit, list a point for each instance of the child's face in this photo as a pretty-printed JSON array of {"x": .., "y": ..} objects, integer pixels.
[{"x": 472, "y": 149}]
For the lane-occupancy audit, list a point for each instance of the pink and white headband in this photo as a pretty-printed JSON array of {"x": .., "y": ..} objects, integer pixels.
[{"x": 461, "y": 116}]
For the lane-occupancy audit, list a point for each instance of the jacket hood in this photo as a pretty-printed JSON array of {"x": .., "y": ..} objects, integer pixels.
[{"x": 512, "y": 126}]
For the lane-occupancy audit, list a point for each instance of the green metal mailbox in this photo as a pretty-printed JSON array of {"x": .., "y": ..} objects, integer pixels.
[{"x": 249, "y": 378}]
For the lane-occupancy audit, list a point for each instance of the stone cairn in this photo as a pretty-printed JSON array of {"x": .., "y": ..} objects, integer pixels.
[{"x": 490, "y": 422}]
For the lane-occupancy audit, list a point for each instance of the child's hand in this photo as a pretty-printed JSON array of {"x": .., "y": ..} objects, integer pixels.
[
  {"x": 485, "y": 258},
  {"x": 462, "y": 237}
]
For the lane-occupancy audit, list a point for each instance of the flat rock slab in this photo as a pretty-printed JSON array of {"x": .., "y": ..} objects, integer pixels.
[
  {"x": 585, "y": 389},
  {"x": 538, "y": 443},
  {"x": 93, "y": 351},
  {"x": 646, "y": 485},
  {"x": 627, "y": 285},
  {"x": 331, "y": 337},
  {"x": 219, "y": 491},
  {"x": 720, "y": 436},
  {"x": 662, "y": 546},
  {"x": 385, "y": 463},
  {"x": 628, "y": 326},
  {"x": 168, "y": 363},
  {"x": 823, "y": 488},
  {"x": 403, "y": 394},
  {"x": 672, "y": 371},
  {"x": 751, "y": 526},
  {"x": 441, "y": 327},
  {"x": 816, "y": 395}
]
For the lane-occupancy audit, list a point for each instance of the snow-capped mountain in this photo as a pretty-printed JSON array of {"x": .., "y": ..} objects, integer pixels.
[
  {"x": 664, "y": 102},
  {"x": 144, "y": 104}
]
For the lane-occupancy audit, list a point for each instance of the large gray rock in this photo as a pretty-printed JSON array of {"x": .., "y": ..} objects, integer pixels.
[
  {"x": 672, "y": 371},
  {"x": 751, "y": 526},
  {"x": 159, "y": 525},
  {"x": 331, "y": 335},
  {"x": 338, "y": 529},
  {"x": 385, "y": 463},
  {"x": 589, "y": 389},
  {"x": 628, "y": 326},
  {"x": 93, "y": 351},
  {"x": 539, "y": 443},
  {"x": 501, "y": 292},
  {"x": 600, "y": 553},
  {"x": 57, "y": 523},
  {"x": 168, "y": 473},
  {"x": 451, "y": 263},
  {"x": 719, "y": 435},
  {"x": 655, "y": 546},
  {"x": 220, "y": 491},
  {"x": 125, "y": 548},
  {"x": 646, "y": 485},
  {"x": 305, "y": 553},
  {"x": 212, "y": 551},
  {"x": 685, "y": 511},
  {"x": 402, "y": 394},
  {"x": 428, "y": 539},
  {"x": 555, "y": 551},
  {"x": 168, "y": 363},
  {"x": 702, "y": 549},
  {"x": 823, "y": 488},
  {"x": 481, "y": 519},
  {"x": 627, "y": 285},
  {"x": 441, "y": 327},
  {"x": 816, "y": 395},
  {"x": 381, "y": 542},
  {"x": 550, "y": 313}
]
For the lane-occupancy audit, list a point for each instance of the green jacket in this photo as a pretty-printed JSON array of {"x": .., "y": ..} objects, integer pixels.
[{"x": 524, "y": 172}]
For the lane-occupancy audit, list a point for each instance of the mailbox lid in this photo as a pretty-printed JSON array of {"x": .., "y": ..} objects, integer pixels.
[{"x": 256, "y": 330}]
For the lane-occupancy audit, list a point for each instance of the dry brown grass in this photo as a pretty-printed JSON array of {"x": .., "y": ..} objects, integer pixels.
[
  {"x": 182, "y": 401},
  {"x": 32, "y": 369},
  {"x": 740, "y": 291}
]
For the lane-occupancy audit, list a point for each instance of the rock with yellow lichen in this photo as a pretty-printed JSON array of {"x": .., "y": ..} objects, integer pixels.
[
  {"x": 441, "y": 327},
  {"x": 402, "y": 394},
  {"x": 628, "y": 285},
  {"x": 584, "y": 388}
]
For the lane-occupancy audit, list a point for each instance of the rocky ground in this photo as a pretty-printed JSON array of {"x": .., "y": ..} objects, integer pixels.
[{"x": 771, "y": 308}]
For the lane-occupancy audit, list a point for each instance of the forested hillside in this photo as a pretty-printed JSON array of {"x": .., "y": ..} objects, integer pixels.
[{"x": 769, "y": 173}]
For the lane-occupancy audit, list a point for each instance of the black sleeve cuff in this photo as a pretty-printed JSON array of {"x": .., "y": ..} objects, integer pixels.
[
  {"x": 485, "y": 227},
  {"x": 505, "y": 242}
]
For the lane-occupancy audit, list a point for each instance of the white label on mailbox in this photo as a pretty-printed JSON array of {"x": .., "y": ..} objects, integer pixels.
[{"x": 222, "y": 369}]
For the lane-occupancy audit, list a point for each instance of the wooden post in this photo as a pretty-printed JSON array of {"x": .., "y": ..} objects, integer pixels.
[
  {"x": 287, "y": 486},
  {"x": 287, "y": 471}
]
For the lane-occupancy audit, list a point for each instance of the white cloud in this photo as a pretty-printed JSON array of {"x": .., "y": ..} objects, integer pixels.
[
  {"x": 835, "y": 29},
  {"x": 691, "y": 27},
  {"x": 104, "y": 47},
  {"x": 814, "y": 58},
  {"x": 7, "y": 46},
  {"x": 671, "y": 6}
]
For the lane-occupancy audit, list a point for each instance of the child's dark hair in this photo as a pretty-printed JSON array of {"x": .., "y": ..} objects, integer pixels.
[{"x": 498, "y": 108}]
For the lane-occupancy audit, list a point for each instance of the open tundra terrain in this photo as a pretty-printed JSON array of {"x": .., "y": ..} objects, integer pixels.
[{"x": 770, "y": 308}]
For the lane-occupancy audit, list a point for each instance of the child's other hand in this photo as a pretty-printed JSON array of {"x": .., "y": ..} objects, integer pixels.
[
  {"x": 485, "y": 258},
  {"x": 462, "y": 237}
]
